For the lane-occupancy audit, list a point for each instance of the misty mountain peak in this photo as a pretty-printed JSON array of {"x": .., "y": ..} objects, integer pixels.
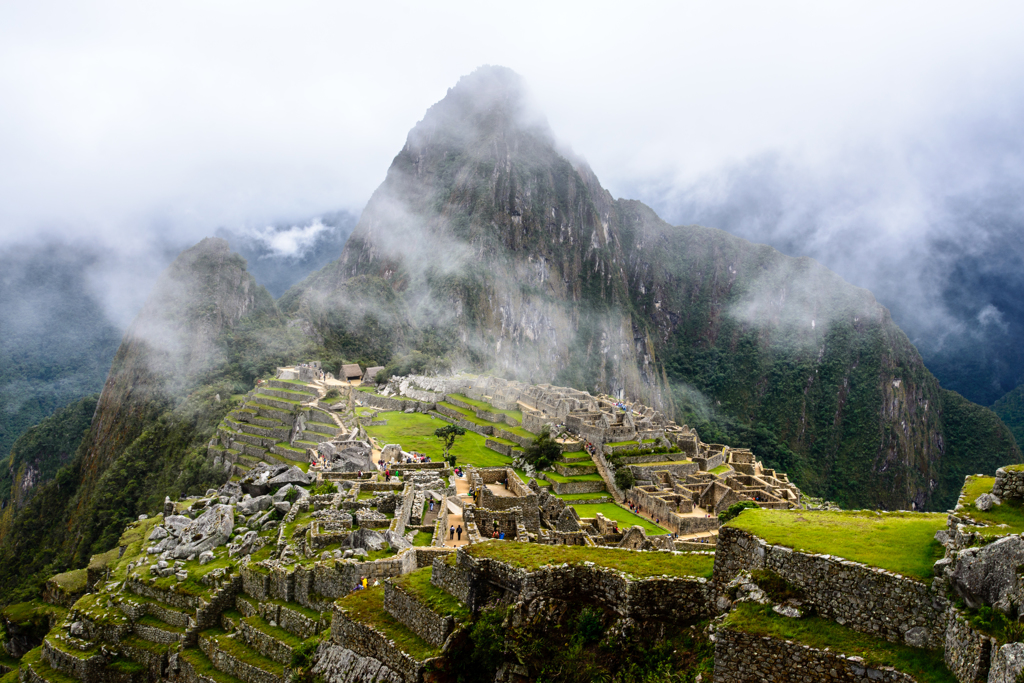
[{"x": 492, "y": 100}]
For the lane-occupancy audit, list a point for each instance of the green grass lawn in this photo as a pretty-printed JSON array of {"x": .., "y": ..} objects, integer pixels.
[
  {"x": 517, "y": 415},
  {"x": 901, "y": 542},
  {"x": 367, "y": 607},
  {"x": 422, "y": 538},
  {"x": 622, "y": 443},
  {"x": 721, "y": 469},
  {"x": 1010, "y": 512},
  {"x": 532, "y": 556},
  {"x": 555, "y": 476},
  {"x": 526, "y": 480},
  {"x": 927, "y": 666},
  {"x": 415, "y": 432},
  {"x": 580, "y": 496},
  {"x": 624, "y": 517}
]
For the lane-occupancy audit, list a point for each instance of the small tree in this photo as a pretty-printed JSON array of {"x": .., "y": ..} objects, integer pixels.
[
  {"x": 543, "y": 451},
  {"x": 448, "y": 434},
  {"x": 735, "y": 509},
  {"x": 624, "y": 478}
]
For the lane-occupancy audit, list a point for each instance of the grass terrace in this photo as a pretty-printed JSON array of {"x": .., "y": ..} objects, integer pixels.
[
  {"x": 927, "y": 666},
  {"x": 901, "y": 542},
  {"x": 555, "y": 476},
  {"x": 532, "y": 556},
  {"x": 624, "y": 517},
  {"x": 623, "y": 443},
  {"x": 517, "y": 415},
  {"x": 721, "y": 469},
  {"x": 418, "y": 585},
  {"x": 367, "y": 607},
  {"x": 1009, "y": 513},
  {"x": 422, "y": 538},
  {"x": 470, "y": 416},
  {"x": 526, "y": 479},
  {"x": 580, "y": 496},
  {"x": 415, "y": 432}
]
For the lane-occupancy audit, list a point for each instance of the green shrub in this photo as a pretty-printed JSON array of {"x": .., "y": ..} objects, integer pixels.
[
  {"x": 735, "y": 509},
  {"x": 332, "y": 394},
  {"x": 543, "y": 451},
  {"x": 624, "y": 478},
  {"x": 323, "y": 488}
]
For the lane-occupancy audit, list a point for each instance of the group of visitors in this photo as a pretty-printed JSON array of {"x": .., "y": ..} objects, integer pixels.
[
  {"x": 364, "y": 584},
  {"x": 453, "y": 532}
]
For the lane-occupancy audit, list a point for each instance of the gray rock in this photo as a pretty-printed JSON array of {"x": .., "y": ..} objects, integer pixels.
[
  {"x": 359, "y": 552},
  {"x": 282, "y": 493},
  {"x": 159, "y": 533},
  {"x": 77, "y": 629},
  {"x": 985, "y": 502},
  {"x": 939, "y": 568},
  {"x": 206, "y": 532},
  {"x": 1007, "y": 663},
  {"x": 175, "y": 523},
  {"x": 916, "y": 637},
  {"x": 254, "y": 505},
  {"x": 347, "y": 554},
  {"x": 283, "y": 507},
  {"x": 142, "y": 517},
  {"x": 988, "y": 575},
  {"x": 206, "y": 557},
  {"x": 162, "y": 564},
  {"x": 292, "y": 475},
  {"x": 787, "y": 611},
  {"x": 942, "y": 536},
  {"x": 211, "y": 492},
  {"x": 181, "y": 574},
  {"x": 395, "y": 541},
  {"x": 367, "y": 539}
]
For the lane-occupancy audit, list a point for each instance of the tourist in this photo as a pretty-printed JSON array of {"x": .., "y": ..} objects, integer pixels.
[
  {"x": 451, "y": 532},
  {"x": 431, "y": 505},
  {"x": 495, "y": 534},
  {"x": 365, "y": 586},
  {"x": 502, "y": 536},
  {"x": 459, "y": 532}
]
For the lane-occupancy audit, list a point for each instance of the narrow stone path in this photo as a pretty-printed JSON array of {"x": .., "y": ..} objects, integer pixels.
[{"x": 455, "y": 520}]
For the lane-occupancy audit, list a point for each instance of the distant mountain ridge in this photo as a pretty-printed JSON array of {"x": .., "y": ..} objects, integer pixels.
[{"x": 488, "y": 244}]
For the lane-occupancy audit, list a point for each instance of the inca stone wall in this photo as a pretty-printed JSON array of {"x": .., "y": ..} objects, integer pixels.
[
  {"x": 370, "y": 642},
  {"x": 1009, "y": 483},
  {"x": 745, "y": 658},
  {"x": 968, "y": 652},
  {"x": 866, "y": 599},
  {"x": 428, "y": 625}
]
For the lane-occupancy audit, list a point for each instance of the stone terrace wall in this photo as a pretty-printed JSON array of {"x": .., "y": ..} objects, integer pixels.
[
  {"x": 863, "y": 598},
  {"x": 672, "y": 599},
  {"x": 385, "y": 403},
  {"x": 370, "y": 642},
  {"x": 676, "y": 523},
  {"x": 745, "y": 658},
  {"x": 1009, "y": 483},
  {"x": 456, "y": 581},
  {"x": 968, "y": 652},
  {"x": 424, "y": 622}
]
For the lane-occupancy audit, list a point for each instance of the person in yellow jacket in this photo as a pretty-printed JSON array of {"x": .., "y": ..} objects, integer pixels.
[{"x": 364, "y": 583}]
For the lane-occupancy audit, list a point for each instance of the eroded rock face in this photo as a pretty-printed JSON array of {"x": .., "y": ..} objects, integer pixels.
[
  {"x": 254, "y": 505},
  {"x": 341, "y": 665},
  {"x": 986, "y": 501},
  {"x": 206, "y": 532},
  {"x": 1007, "y": 663},
  {"x": 988, "y": 575},
  {"x": 395, "y": 541},
  {"x": 368, "y": 539},
  {"x": 293, "y": 475}
]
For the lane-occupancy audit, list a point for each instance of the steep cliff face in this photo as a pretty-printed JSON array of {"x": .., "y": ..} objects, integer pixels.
[
  {"x": 171, "y": 343},
  {"x": 488, "y": 243}
]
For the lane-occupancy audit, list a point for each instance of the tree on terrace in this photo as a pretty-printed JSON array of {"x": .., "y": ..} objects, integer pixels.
[{"x": 448, "y": 434}]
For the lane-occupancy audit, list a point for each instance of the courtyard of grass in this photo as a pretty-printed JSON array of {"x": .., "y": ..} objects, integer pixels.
[
  {"x": 902, "y": 542},
  {"x": 1009, "y": 513},
  {"x": 624, "y": 517},
  {"x": 470, "y": 416},
  {"x": 415, "y": 432},
  {"x": 640, "y": 564},
  {"x": 926, "y": 666}
]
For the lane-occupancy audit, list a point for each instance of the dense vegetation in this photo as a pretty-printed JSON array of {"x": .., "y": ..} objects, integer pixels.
[{"x": 1010, "y": 409}]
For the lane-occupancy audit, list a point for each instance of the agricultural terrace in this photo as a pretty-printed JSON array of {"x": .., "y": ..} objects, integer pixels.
[
  {"x": 1009, "y": 513},
  {"x": 636, "y": 563},
  {"x": 415, "y": 432},
  {"x": 901, "y": 542},
  {"x": 926, "y": 666}
]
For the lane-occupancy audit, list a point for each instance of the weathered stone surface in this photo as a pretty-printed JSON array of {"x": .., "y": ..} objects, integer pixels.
[
  {"x": 293, "y": 475},
  {"x": 341, "y": 665},
  {"x": 253, "y": 505},
  {"x": 206, "y": 532},
  {"x": 158, "y": 534},
  {"x": 988, "y": 575},
  {"x": 368, "y": 539},
  {"x": 283, "y": 507},
  {"x": 396, "y": 541},
  {"x": 206, "y": 557},
  {"x": 1007, "y": 663},
  {"x": 986, "y": 501}
]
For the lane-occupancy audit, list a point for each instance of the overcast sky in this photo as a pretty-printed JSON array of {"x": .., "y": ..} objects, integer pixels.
[{"x": 137, "y": 125}]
